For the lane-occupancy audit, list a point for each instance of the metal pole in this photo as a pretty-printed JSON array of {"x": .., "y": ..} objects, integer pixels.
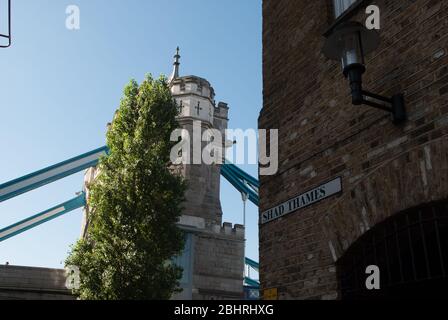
[{"x": 245, "y": 197}]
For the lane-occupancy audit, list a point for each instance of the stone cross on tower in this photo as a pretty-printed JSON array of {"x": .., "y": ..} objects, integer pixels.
[
  {"x": 181, "y": 106},
  {"x": 198, "y": 108}
]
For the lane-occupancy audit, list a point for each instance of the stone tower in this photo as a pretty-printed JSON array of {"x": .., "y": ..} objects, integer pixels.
[
  {"x": 195, "y": 98},
  {"x": 213, "y": 257}
]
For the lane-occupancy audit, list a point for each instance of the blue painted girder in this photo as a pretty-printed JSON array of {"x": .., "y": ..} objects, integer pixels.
[
  {"x": 251, "y": 282},
  {"x": 254, "y": 183},
  {"x": 45, "y": 216},
  {"x": 51, "y": 174},
  {"x": 240, "y": 183},
  {"x": 253, "y": 264},
  {"x": 237, "y": 177}
]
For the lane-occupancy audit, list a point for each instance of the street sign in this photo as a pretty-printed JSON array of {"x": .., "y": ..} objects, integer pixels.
[{"x": 303, "y": 200}]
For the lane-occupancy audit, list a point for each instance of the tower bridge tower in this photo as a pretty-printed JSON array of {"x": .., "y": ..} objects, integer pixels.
[
  {"x": 196, "y": 100},
  {"x": 213, "y": 257},
  {"x": 213, "y": 260}
]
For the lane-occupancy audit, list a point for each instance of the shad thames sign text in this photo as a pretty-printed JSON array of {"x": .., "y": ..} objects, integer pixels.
[{"x": 304, "y": 200}]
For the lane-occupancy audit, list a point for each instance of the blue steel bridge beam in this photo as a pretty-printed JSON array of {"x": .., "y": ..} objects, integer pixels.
[
  {"x": 237, "y": 177},
  {"x": 251, "y": 282},
  {"x": 254, "y": 183},
  {"x": 51, "y": 174},
  {"x": 45, "y": 216},
  {"x": 253, "y": 264},
  {"x": 239, "y": 184}
]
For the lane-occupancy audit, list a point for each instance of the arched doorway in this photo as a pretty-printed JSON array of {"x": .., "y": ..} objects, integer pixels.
[{"x": 411, "y": 251}]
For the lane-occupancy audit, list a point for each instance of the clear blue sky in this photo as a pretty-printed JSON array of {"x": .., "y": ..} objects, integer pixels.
[{"x": 59, "y": 88}]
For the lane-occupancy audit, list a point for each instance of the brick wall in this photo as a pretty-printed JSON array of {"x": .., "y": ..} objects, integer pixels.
[{"x": 323, "y": 136}]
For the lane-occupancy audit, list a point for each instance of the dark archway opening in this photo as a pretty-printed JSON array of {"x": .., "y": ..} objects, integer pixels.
[{"x": 411, "y": 251}]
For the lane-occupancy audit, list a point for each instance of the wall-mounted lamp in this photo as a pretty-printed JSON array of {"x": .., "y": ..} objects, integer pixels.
[{"x": 349, "y": 43}]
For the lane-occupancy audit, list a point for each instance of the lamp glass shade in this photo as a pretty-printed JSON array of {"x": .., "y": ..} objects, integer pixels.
[
  {"x": 350, "y": 42},
  {"x": 351, "y": 52}
]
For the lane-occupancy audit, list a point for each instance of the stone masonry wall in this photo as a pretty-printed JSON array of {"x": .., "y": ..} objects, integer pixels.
[
  {"x": 219, "y": 263},
  {"x": 26, "y": 283},
  {"x": 323, "y": 136}
]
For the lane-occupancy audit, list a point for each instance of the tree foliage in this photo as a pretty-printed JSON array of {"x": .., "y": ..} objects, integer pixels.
[{"x": 134, "y": 204}]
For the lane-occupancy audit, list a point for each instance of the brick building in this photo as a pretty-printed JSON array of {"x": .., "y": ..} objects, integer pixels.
[{"x": 389, "y": 205}]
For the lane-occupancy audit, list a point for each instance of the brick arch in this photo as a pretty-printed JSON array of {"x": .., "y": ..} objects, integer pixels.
[{"x": 417, "y": 176}]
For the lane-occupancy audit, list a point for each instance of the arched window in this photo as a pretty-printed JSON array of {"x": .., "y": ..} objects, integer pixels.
[{"x": 411, "y": 251}]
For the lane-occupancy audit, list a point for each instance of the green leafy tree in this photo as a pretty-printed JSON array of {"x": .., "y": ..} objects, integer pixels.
[{"x": 134, "y": 204}]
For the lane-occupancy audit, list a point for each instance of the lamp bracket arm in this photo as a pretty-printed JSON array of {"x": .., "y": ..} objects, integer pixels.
[
  {"x": 379, "y": 98},
  {"x": 377, "y": 105},
  {"x": 376, "y": 96},
  {"x": 395, "y": 105}
]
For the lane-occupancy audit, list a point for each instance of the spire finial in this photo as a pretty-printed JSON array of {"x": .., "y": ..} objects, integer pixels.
[{"x": 176, "y": 65}]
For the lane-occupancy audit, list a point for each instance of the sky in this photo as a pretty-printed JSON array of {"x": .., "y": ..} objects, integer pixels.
[{"x": 59, "y": 88}]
